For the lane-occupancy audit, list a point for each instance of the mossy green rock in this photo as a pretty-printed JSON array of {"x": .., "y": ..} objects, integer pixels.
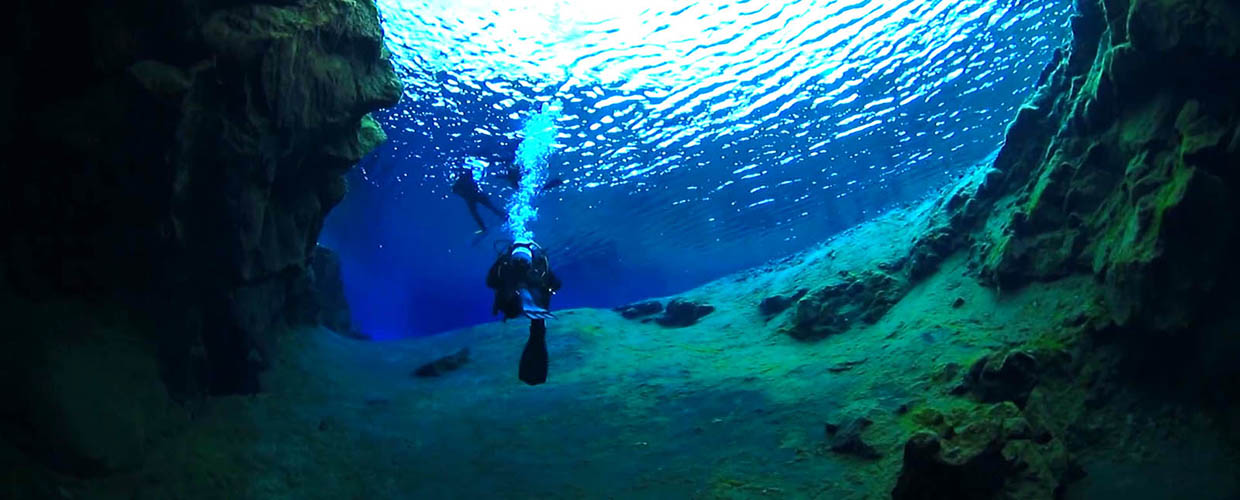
[
  {"x": 1120, "y": 161},
  {"x": 987, "y": 452}
]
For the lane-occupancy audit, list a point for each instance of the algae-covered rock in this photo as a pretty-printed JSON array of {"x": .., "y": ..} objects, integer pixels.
[
  {"x": 845, "y": 438},
  {"x": 834, "y": 308},
  {"x": 776, "y": 304},
  {"x": 1003, "y": 377},
  {"x": 640, "y": 309},
  {"x": 986, "y": 453},
  {"x": 1119, "y": 165},
  {"x": 682, "y": 313}
]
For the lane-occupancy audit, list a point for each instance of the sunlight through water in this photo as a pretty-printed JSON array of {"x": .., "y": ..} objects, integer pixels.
[
  {"x": 778, "y": 111},
  {"x": 691, "y": 139}
]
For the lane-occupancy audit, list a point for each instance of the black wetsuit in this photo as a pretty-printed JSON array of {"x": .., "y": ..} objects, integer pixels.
[
  {"x": 508, "y": 276},
  {"x": 468, "y": 189}
]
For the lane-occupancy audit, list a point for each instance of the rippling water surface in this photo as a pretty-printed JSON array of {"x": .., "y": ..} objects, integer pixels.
[{"x": 702, "y": 137}]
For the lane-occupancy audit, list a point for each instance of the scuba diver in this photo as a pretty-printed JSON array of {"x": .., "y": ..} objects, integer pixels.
[
  {"x": 523, "y": 282},
  {"x": 512, "y": 175},
  {"x": 467, "y": 188},
  {"x": 510, "y": 172}
]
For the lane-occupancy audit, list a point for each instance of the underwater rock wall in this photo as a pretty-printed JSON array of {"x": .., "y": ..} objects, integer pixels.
[
  {"x": 184, "y": 155},
  {"x": 178, "y": 159},
  {"x": 1123, "y": 165}
]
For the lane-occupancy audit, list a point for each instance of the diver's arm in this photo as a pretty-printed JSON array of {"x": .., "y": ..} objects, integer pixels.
[{"x": 553, "y": 282}]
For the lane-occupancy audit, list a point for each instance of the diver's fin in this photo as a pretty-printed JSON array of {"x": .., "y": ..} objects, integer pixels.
[
  {"x": 533, "y": 369},
  {"x": 541, "y": 314},
  {"x": 530, "y": 309}
]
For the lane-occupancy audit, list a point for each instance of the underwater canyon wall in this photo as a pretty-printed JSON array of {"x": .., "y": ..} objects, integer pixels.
[
  {"x": 1124, "y": 164},
  {"x": 1123, "y": 167},
  {"x": 177, "y": 161}
]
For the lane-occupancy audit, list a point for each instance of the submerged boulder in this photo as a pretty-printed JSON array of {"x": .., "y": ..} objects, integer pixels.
[
  {"x": 776, "y": 304},
  {"x": 986, "y": 453},
  {"x": 682, "y": 313},
  {"x": 639, "y": 309},
  {"x": 1009, "y": 376},
  {"x": 845, "y": 438},
  {"x": 833, "y": 309},
  {"x": 443, "y": 365}
]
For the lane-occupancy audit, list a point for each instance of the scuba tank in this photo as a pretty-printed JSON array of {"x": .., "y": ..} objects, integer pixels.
[{"x": 521, "y": 255}]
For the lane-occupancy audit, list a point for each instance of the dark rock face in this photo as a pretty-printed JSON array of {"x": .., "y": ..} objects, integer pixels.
[
  {"x": 681, "y": 313},
  {"x": 776, "y": 304},
  {"x": 188, "y": 158},
  {"x": 85, "y": 396},
  {"x": 639, "y": 309},
  {"x": 990, "y": 452},
  {"x": 443, "y": 365},
  {"x": 328, "y": 303}
]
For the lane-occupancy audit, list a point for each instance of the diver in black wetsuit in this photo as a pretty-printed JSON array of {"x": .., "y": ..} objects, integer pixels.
[
  {"x": 510, "y": 172},
  {"x": 523, "y": 284},
  {"x": 512, "y": 175},
  {"x": 467, "y": 188}
]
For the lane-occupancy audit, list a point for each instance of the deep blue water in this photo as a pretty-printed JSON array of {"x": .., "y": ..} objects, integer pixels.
[{"x": 697, "y": 138}]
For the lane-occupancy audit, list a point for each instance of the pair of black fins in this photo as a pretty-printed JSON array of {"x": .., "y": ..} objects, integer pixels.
[{"x": 533, "y": 368}]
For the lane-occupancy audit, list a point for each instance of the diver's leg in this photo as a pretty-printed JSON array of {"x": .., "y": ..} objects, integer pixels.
[
  {"x": 473, "y": 210},
  {"x": 533, "y": 370}
]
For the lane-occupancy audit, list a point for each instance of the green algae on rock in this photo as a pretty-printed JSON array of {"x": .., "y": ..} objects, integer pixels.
[
  {"x": 989, "y": 452},
  {"x": 1118, "y": 166}
]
